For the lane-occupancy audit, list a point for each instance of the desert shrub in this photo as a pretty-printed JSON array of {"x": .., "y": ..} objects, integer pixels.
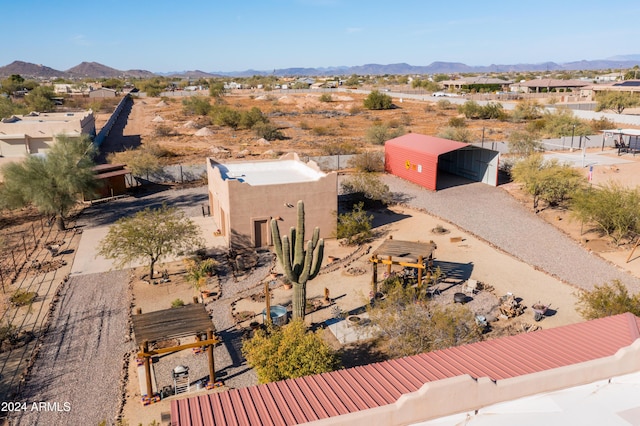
[
  {"x": 339, "y": 148},
  {"x": 606, "y": 300},
  {"x": 376, "y": 100},
  {"x": 612, "y": 208},
  {"x": 367, "y": 186},
  {"x": 322, "y": 131},
  {"x": 22, "y": 297},
  {"x": 304, "y": 125},
  {"x": 474, "y": 111},
  {"x": 460, "y": 134},
  {"x": 196, "y": 105},
  {"x": 562, "y": 122},
  {"x": 250, "y": 118},
  {"x": 355, "y": 226},
  {"x": 405, "y": 119},
  {"x": 369, "y": 161},
  {"x": 457, "y": 122},
  {"x": 326, "y": 97},
  {"x": 445, "y": 104},
  {"x": 378, "y": 134},
  {"x": 229, "y": 117},
  {"x": 524, "y": 143},
  {"x": 163, "y": 130},
  {"x": 410, "y": 325},
  {"x": 355, "y": 110},
  {"x": 527, "y": 110},
  {"x": 268, "y": 131},
  {"x": 287, "y": 352},
  {"x": 602, "y": 123},
  {"x": 176, "y": 303}
]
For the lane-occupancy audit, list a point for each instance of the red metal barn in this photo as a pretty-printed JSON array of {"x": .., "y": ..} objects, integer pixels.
[{"x": 422, "y": 160}]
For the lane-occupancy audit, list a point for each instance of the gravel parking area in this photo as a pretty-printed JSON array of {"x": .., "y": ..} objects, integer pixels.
[
  {"x": 79, "y": 367},
  {"x": 494, "y": 216}
]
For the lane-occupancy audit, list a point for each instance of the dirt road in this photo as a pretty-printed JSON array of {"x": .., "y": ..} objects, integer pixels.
[{"x": 79, "y": 368}]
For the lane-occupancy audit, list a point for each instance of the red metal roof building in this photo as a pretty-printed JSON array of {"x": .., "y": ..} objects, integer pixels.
[
  {"x": 419, "y": 158},
  {"x": 431, "y": 385}
]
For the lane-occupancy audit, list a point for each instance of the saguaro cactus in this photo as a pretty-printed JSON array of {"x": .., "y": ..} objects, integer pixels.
[{"x": 300, "y": 264}]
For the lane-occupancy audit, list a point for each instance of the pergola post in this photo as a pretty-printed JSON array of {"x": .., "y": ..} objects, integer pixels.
[
  {"x": 147, "y": 368},
  {"x": 212, "y": 373},
  {"x": 267, "y": 298},
  {"x": 374, "y": 279},
  {"x": 389, "y": 267},
  {"x": 419, "y": 271}
]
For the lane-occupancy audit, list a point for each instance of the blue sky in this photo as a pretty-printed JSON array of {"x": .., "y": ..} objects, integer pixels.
[{"x": 220, "y": 35}]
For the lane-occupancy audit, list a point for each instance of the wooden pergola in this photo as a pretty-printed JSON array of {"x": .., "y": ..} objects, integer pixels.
[
  {"x": 174, "y": 323},
  {"x": 411, "y": 254}
]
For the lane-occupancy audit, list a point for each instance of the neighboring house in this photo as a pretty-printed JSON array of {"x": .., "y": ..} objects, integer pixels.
[
  {"x": 245, "y": 196},
  {"x": 629, "y": 86},
  {"x": 103, "y": 92},
  {"x": 546, "y": 85},
  {"x": 606, "y": 78},
  {"x": 35, "y": 133},
  {"x": 476, "y": 83},
  {"x": 585, "y": 373}
]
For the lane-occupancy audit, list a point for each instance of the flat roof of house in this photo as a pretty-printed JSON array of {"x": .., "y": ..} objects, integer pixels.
[{"x": 258, "y": 173}]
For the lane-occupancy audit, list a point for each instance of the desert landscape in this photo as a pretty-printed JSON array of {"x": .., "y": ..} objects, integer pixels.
[{"x": 236, "y": 303}]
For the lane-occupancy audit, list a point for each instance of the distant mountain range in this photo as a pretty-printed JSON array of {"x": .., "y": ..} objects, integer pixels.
[{"x": 96, "y": 70}]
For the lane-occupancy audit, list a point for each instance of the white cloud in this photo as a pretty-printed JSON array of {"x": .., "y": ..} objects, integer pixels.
[{"x": 81, "y": 40}]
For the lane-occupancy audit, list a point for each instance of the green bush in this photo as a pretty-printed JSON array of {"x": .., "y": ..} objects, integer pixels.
[
  {"x": 368, "y": 186},
  {"x": 369, "y": 161},
  {"x": 460, "y": 134},
  {"x": 457, "y": 122},
  {"x": 326, "y": 97},
  {"x": 268, "y": 131},
  {"x": 177, "y": 303},
  {"x": 22, "y": 297},
  {"x": 606, "y": 300},
  {"x": 376, "y": 101},
  {"x": 355, "y": 226},
  {"x": 196, "y": 105},
  {"x": 378, "y": 134}
]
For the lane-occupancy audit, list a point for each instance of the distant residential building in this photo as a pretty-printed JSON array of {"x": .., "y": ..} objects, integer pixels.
[
  {"x": 606, "y": 78},
  {"x": 103, "y": 92},
  {"x": 477, "y": 83},
  {"x": 546, "y": 85},
  {"x": 35, "y": 133}
]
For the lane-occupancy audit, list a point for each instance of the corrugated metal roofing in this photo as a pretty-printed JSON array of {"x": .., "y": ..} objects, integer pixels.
[
  {"x": 423, "y": 144},
  {"x": 340, "y": 392}
]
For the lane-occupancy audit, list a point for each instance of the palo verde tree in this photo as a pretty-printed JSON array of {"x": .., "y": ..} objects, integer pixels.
[
  {"x": 616, "y": 101},
  {"x": 53, "y": 183},
  {"x": 150, "y": 235},
  {"x": 299, "y": 264}
]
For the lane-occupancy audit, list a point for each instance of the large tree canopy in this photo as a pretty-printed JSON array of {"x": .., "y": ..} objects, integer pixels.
[
  {"x": 52, "y": 183},
  {"x": 150, "y": 235}
]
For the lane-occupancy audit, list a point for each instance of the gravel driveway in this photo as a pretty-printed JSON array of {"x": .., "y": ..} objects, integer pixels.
[
  {"x": 494, "y": 216},
  {"x": 80, "y": 363}
]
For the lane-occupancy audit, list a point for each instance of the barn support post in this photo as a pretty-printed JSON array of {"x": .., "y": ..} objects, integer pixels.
[
  {"x": 389, "y": 267},
  {"x": 419, "y": 271},
  {"x": 147, "y": 368},
  {"x": 212, "y": 372}
]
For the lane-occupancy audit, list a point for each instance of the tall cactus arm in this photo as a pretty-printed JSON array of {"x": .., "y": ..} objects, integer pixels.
[
  {"x": 317, "y": 259},
  {"x": 299, "y": 243},
  {"x": 292, "y": 241},
  {"x": 316, "y": 237},
  {"x": 277, "y": 242},
  {"x": 286, "y": 261},
  {"x": 304, "y": 276}
]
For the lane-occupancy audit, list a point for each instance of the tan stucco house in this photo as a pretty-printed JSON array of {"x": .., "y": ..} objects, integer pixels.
[
  {"x": 244, "y": 196},
  {"x": 35, "y": 133}
]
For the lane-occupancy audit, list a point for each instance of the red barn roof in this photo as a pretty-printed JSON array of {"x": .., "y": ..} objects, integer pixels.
[
  {"x": 423, "y": 144},
  {"x": 341, "y": 392}
]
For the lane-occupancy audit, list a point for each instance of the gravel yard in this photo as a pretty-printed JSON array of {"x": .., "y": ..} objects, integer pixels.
[
  {"x": 494, "y": 216},
  {"x": 80, "y": 362}
]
